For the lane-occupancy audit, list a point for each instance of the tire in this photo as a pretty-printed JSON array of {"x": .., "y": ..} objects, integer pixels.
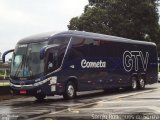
[
  {"x": 134, "y": 83},
  {"x": 70, "y": 91},
  {"x": 40, "y": 97},
  {"x": 141, "y": 83}
]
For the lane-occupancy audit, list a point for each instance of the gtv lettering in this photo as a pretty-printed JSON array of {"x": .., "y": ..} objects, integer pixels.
[{"x": 131, "y": 60}]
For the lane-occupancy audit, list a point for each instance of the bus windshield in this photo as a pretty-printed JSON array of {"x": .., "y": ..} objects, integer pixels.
[{"x": 26, "y": 60}]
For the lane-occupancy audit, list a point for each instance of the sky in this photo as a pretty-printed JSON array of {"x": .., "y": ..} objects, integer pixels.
[{"x": 22, "y": 18}]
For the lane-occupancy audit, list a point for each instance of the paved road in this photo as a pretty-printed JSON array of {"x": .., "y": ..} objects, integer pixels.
[{"x": 122, "y": 104}]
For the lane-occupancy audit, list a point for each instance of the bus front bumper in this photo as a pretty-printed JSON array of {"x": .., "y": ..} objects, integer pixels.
[{"x": 44, "y": 87}]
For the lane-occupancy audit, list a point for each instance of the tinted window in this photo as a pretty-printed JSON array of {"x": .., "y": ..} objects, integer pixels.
[
  {"x": 60, "y": 40},
  {"x": 56, "y": 54},
  {"x": 80, "y": 47},
  {"x": 94, "y": 48}
]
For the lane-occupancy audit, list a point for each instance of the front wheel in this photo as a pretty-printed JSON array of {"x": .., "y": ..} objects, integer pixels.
[{"x": 70, "y": 91}]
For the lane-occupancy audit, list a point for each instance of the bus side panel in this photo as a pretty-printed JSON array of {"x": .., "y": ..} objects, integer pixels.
[
  {"x": 141, "y": 61},
  {"x": 152, "y": 71},
  {"x": 123, "y": 60},
  {"x": 89, "y": 78}
]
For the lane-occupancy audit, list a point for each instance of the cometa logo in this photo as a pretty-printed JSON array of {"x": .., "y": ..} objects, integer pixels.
[{"x": 89, "y": 64}]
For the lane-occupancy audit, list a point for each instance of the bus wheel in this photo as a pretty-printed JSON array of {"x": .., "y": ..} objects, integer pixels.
[
  {"x": 40, "y": 97},
  {"x": 70, "y": 91},
  {"x": 134, "y": 83},
  {"x": 141, "y": 83}
]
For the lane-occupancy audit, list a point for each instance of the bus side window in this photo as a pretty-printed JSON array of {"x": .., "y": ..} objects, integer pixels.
[
  {"x": 75, "y": 51},
  {"x": 80, "y": 47},
  {"x": 57, "y": 53},
  {"x": 59, "y": 40},
  {"x": 50, "y": 63}
]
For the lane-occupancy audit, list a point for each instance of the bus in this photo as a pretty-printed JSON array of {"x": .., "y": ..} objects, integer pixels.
[{"x": 67, "y": 62}]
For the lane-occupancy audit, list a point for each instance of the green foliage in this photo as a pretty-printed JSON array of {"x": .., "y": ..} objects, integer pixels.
[
  {"x": 2, "y": 72},
  {"x": 134, "y": 19}
]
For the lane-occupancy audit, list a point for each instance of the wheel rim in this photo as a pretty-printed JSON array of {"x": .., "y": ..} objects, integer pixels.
[
  {"x": 134, "y": 84},
  {"x": 70, "y": 90},
  {"x": 141, "y": 82}
]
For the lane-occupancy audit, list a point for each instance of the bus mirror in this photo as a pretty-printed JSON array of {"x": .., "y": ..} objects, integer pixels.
[
  {"x": 5, "y": 53},
  {"x": 158, "y": 60},
  {"x": 45, "y": 49},
  {"x": 42, "y": 52}
]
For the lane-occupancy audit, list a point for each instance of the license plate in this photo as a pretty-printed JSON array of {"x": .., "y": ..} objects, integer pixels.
[{"x": 23, "y": 92}]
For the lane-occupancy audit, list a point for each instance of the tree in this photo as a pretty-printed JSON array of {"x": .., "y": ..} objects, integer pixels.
[{"x": 134, "y": 19}]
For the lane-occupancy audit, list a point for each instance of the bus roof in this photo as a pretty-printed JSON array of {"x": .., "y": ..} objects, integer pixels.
[
  {"x": 36, "y": 38},
  {"x": 46, "y": 36}
]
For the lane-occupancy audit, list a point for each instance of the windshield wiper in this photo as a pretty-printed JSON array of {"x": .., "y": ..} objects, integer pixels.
[
  {"x": 27, "y": 62},
  {"x": 20, "y": 66}
]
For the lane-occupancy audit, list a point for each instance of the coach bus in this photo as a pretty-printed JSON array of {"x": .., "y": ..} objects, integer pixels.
[{"x": 71, "y": 61}]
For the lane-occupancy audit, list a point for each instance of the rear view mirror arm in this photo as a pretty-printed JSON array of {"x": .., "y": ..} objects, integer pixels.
[{"x": 5, "y": 53}]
